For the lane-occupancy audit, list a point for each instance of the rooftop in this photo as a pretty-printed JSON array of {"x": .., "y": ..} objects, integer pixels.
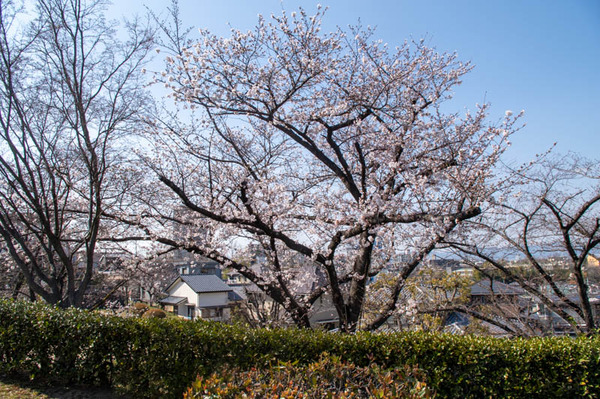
[
  {"x": 485, "y": 287},
  {"x": 202, "y": 283}
]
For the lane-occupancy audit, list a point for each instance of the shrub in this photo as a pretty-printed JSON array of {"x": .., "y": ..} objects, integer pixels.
[
  {"x": 327, "y": 378},
  {"x": 139, "y": 308},
  {"x": 160, "y": 358},
  {"x": 155, "y": 314}
]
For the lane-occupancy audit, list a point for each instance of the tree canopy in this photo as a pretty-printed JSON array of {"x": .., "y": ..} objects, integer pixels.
[
  {"x": 327, "y": 151},
  {"x": 69, "y": 89}
]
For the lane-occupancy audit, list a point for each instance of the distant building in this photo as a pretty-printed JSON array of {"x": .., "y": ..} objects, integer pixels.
[
  {"x": 593, "y": 261},
  {"x": 486, "y": 291},
  {"x": 201, "y": 266},
  {"x": 204, "y": 296}
]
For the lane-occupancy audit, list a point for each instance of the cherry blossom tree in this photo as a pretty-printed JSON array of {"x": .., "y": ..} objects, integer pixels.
[
  {"x": 547, "y": 221},
  {"x": 69, "y": 90},
  {"x": 330, "y": 151}
]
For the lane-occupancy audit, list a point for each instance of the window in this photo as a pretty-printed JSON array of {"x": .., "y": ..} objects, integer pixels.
[{"x": 212, "y": 313}]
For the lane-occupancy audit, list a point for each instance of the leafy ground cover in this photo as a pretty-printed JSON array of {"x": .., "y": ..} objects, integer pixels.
[{"x": 329, "y": 377}]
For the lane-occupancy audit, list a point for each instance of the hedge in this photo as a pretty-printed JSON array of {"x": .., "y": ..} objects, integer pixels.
[{"x": 154, "y": 358}]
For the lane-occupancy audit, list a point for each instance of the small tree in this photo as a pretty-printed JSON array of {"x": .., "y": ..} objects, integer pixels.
[
  {"x": 548, "y": 219},
  {"x": 331, "y": 147},
  {"x": 68, "y": 90}
]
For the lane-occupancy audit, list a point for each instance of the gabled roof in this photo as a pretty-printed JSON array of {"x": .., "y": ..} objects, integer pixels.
[{"x": 202, "y": 283}]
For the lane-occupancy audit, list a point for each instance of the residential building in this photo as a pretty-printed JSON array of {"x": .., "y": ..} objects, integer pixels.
[{"x": 202, "y": 295}]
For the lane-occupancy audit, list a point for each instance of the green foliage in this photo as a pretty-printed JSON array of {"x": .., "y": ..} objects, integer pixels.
[
  {"x": 160, "y": 358},
  {"x": 327, "y": 378}
]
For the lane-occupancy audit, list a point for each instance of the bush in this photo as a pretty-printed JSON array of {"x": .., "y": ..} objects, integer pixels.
[
  {"x": 160, "y": 358},
  {"x": 139, "y": 308},
  {"x": 327, "y": 378},
  {"x": 154, "y": 314}
]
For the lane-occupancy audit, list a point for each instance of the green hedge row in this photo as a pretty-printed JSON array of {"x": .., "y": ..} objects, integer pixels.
[{"x": 161, "y": 357}]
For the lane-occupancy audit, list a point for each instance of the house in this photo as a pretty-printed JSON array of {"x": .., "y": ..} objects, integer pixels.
[
  {"x": 204, "y": 296},
  {"x": 512, "y": 306},
  {"x": 486, "y": 292},
  {"x": 261, "y": 310},
  {"x": 308, "y": 278},
  {"x": 506, "y": 304},
  {"x": 236, "y": 278},
  {"x": 553, "y": 322},
  {"x": 201, "y": 266}
]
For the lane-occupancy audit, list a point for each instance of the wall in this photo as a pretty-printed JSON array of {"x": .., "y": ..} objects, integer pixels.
[
  {"x": 183, "y": 290},
  {"x": 213, "y": 299}
]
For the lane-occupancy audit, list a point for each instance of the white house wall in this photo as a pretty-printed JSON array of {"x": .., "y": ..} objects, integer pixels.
[
  {"x": 183, "y": 290},
  {"x": 212, "y": 299}
]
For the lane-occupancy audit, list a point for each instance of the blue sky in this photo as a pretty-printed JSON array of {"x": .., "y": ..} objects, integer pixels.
[{"x": 542, "y": 56}]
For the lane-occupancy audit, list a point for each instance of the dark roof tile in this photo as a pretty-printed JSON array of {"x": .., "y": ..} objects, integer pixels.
[{"x": 205, "y": 283}]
